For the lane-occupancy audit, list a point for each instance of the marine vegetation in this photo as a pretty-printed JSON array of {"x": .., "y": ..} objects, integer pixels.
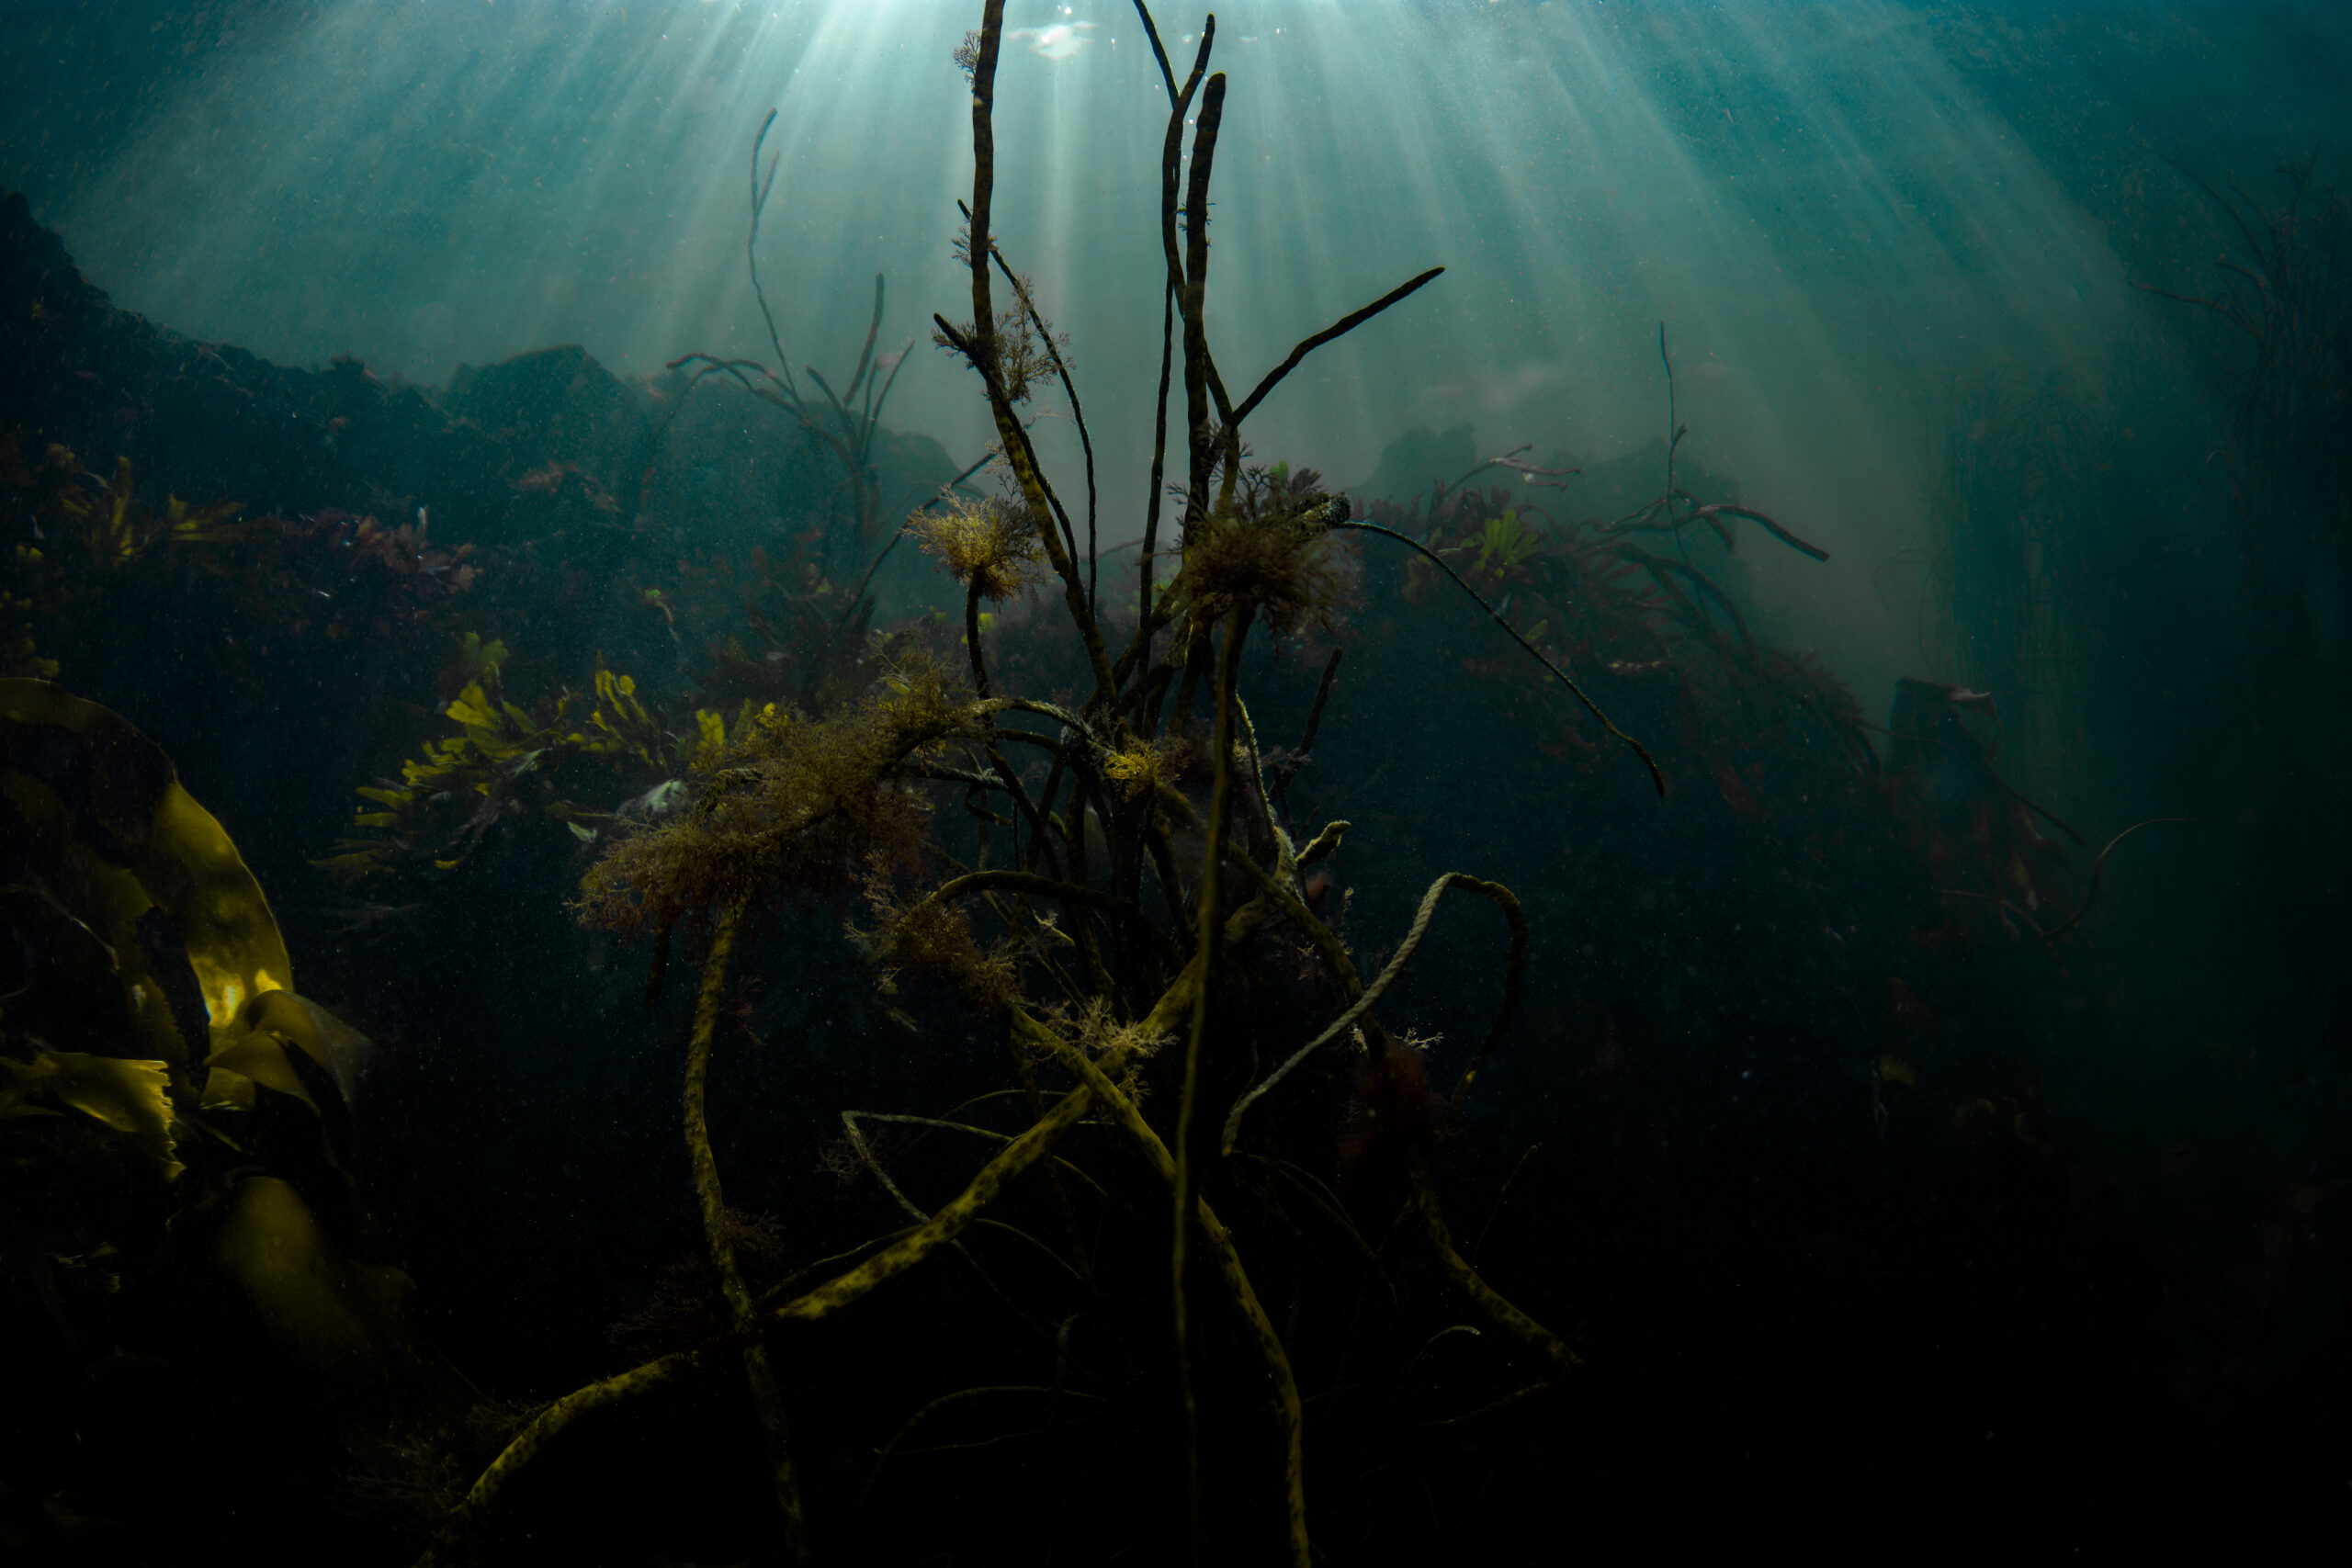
[
  {"x": 1656, "y": 634},
  {"x": 1206, "y": 1245},
  {"x": 2283, "y": 300},
  {"x": 900, "y": 1010},
  {"x": 95, "y": 534},
  {"x": 1153, "y": 1031},
  {"x": 103, "y": 552},
  {"x": 1112, "y": 887},
  {"x": 844, "y": 425},
  {"x": 175, "y": 1159},
  {"x": 501, "y": 760}
]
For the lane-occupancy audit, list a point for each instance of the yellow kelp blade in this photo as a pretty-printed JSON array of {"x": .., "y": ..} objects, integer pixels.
[
  {"x": 259, "y": 1045},
  {"x": 348, "y": 1326},
  {"x": 119, "y": 807},
  {"x": 129, "y": 1095}
]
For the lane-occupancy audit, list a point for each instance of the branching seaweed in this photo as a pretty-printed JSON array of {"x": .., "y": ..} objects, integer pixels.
[{"x": 786, "y": 808}]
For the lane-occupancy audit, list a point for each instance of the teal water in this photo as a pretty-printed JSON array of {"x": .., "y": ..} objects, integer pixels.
[{"x": 1905, "y": 1157}]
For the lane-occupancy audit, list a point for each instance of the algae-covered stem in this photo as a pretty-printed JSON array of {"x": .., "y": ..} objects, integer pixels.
[
  {"x": 982, "y": 350},
  {"x": 1467, "y": 1279},
  {"x": 1077, "y": 413},
  {"x": 901, "y": 1253},
  {"x": 740, "y": 1311},
  {"x": 1423, "y": 1204},
  {"x": 1189, "y": 997},
  {"x": 1077, "y": 410},
  {"x": 1171, "y": 152},
  {"x": 1199, "y": 372},
  {"x": 1100, "y": 1079},
  {"x": 972, "y": 638},
  {"x": 1307, "y": 345},
  {"x": 1141, "y": 653},
  {"x": 1236, "y": 629},
  {"x": 1363, "y": 999}
]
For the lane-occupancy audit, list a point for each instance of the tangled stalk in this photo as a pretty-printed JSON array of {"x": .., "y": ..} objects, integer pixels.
[{"x": 796, "y": 809}]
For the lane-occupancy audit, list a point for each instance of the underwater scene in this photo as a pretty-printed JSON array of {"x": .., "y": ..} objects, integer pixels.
[{"x": 1361, "y": 782}]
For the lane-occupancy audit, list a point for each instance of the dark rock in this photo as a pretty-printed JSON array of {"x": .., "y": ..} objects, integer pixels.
[
  {"x": 560, "y": 405},
  {"x": 208, "y": 420}
]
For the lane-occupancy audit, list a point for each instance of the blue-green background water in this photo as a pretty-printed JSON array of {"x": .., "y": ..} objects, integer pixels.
[
  {"x": 1897, "y": 254},
  {"x": 1842, "y": 210}
]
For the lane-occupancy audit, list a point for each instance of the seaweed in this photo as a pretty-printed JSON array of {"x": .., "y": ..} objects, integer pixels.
[
  {"x": 174, "y": 1162},
  {"x": 2281, "y": 313},
  {"x": 797, "y": 810},
  {"x": 1118, "y": 896},
  {"x": 95, "y": 554},
  {"x": 2284, "y": 296},
  {"x": 843, "y": 426},
  {"x": 502, "y": 761},
  {"x": 92, "y": 541},
  {"x": 1201, "y": 1252},
  {"x": 1648, "y": 634}
]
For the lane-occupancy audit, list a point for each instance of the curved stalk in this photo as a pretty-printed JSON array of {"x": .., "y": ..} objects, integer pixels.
[
  {"x": 1658, "y": 775},
  {"x": 741, "y": 1309},
  {"x": 902, "y": 1252},
  {"x": 1098, "y": 1078},
  {"x": 1514, "y": 983},
  {"x": 1506, "y": 1315}
]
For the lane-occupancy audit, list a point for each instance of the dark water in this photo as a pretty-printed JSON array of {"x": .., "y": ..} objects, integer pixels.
[{"x": 1881, "y": 1086}]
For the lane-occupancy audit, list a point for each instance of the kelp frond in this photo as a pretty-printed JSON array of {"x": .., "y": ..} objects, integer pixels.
[
  {"x": 498, "y": 746},
  {"x": 116, "y": 533},
  {"x": 1506, "y": 544}
]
